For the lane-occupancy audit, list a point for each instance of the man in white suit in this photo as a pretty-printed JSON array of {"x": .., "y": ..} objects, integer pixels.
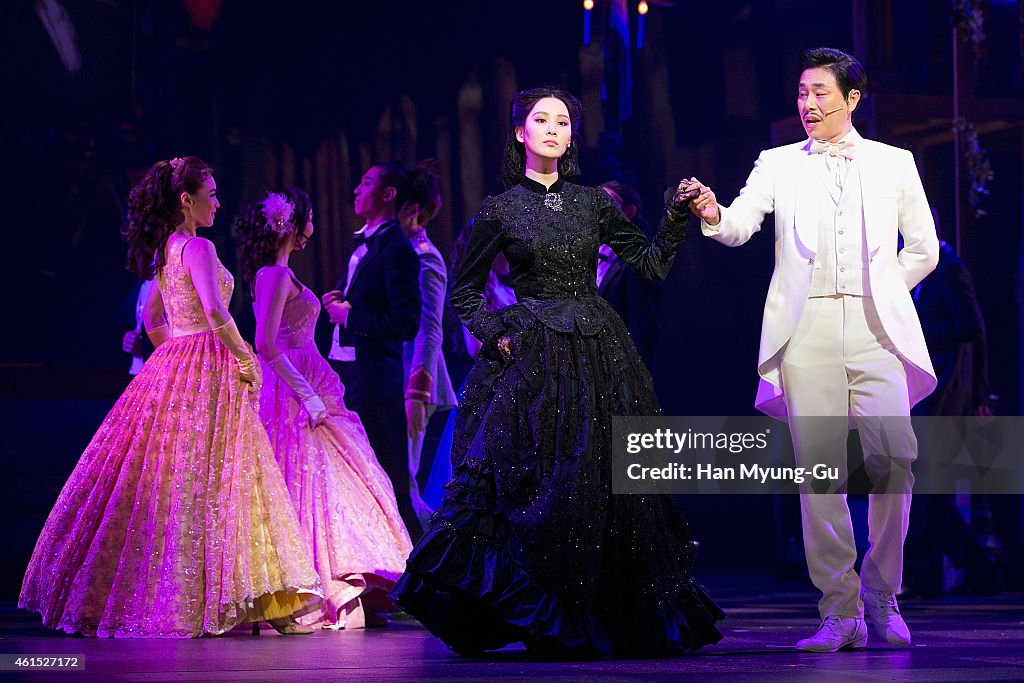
[{"x": 840, "y": 334}]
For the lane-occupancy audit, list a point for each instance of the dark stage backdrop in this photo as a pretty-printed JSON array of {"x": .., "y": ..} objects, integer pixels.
[{"x": 310, "y": 94}]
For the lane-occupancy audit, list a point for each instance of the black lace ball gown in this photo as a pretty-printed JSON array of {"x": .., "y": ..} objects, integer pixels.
[{"x": 529, "y": 543}]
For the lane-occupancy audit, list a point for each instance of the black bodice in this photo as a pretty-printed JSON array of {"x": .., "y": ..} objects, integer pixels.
[{"x": 550, "y": 238}]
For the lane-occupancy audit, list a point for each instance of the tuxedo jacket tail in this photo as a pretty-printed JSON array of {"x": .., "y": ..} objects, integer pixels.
[{"x": 787, "y": 181}]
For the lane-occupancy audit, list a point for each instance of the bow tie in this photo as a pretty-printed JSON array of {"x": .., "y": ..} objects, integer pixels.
[
  {"x": 845, "y": 150},
  {"x": 360, "y": 238}
]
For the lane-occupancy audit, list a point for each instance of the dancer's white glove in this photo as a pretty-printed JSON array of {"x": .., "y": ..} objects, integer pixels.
[
  {"x": 248, "y": 367},
  {"x": 313, "y": 404}
]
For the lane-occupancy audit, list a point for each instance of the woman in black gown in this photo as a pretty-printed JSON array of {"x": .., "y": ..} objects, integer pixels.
[{"x": 529, "y": 543}]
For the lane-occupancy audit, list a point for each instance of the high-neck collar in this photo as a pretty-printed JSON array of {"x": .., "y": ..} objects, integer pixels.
[{"x": 533, "y": 186}]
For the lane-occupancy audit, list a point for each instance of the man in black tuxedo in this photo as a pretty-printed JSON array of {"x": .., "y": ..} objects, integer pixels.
[{"x": 376, "y": 307}]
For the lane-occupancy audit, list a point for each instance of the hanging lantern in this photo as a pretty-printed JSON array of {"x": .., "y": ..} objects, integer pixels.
[{"x": 203, "y": 13}]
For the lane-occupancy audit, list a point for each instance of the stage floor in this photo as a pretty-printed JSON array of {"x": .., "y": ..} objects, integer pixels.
[{"x": 964, "y": 639}]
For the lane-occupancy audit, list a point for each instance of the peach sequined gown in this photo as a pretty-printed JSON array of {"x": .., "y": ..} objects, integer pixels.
[
  {"x": 176, "y": 521},
  {"x": 344, "y": 499}
]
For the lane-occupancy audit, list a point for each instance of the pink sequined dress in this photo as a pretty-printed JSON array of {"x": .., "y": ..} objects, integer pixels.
[
  {"x": 344, "y": 499},
  {"x": 176, "y": 521}
]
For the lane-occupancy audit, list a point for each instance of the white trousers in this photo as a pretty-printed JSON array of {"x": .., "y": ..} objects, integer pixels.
[
  {"x": 419, "y": 506},
  {"x": 838, "y": 363}
]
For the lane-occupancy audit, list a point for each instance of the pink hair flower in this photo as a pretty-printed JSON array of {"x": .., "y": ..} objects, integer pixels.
[{"x": 278, "y": 211}]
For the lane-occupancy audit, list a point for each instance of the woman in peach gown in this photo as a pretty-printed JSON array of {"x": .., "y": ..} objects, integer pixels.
[
  {"x": 344, "y": 499},
  {"x": 176, "y": 521}
]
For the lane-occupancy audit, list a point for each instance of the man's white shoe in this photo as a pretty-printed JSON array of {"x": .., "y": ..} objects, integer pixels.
[
  {"x": 880, "y": 609},
  {"x": 836, "y": 633}
]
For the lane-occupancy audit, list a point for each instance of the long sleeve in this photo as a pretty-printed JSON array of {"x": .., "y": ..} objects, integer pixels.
[
  {"x": 740, "y": 220},
  {"x": 653, "y": 259},
  {"x": 485, "y": 242},
  {"x": 428, "y": 341},
  {"x": 920, "y": 252}
]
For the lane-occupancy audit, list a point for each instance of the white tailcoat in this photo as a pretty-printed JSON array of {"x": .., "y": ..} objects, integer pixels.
[{"x": 786, "y": 181}]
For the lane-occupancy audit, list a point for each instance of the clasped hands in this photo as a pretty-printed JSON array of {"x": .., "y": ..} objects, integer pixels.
[
  {"x": 698, "y": 198},
  {"x": 336, "y": 306}
]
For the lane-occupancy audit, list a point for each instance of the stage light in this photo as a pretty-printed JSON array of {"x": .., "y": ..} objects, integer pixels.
[
  {"x": 640, "y": 20},
  {"x": 587, "y": 6}
]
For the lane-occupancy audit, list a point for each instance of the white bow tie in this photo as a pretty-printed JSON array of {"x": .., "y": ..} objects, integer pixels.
[{"x": 844, "y": 149}]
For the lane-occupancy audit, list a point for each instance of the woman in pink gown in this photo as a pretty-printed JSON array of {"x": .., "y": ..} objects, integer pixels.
[
  {"x": 176, "y": 522},
  {"x": 344, "y": 499}
]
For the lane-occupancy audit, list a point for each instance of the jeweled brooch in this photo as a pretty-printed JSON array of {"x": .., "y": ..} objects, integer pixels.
[{"x": 553, "y": 201}]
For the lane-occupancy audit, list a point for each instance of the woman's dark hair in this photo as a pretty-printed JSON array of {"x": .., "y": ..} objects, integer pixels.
[
  {"x": 425, "y": 190},
  {"x": 154, "y": 210},
  {"x": 847, "y": 71},
  {"x": 513, "y": 165},
  {"x": 259, "y": 242}
]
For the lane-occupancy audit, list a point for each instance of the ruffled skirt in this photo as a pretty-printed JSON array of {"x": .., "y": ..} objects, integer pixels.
[{"x": 529, "y": 544}]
